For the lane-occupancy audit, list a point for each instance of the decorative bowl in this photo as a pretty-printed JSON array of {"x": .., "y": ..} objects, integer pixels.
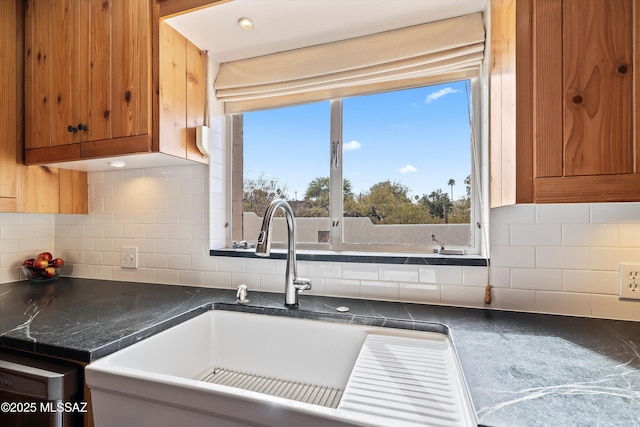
[{"x": 41, "y": 275}]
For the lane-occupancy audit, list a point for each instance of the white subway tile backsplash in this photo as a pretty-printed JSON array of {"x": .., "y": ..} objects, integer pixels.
[
  {"x": 590, "y": 235},
  {"x": 465, "y": 296},
  {"x": 630, "y": 235},
  {"x": 536, "y": 279},
  {"x": 592, "y": 282},
  {"x": 500, "y": 277},
  {"x": 323, "y": 269},
  {"x": 564, "y": 303},
  {"x": 513, "y": 256},
  {"x": 609, "y": 258},
  {"x": 399, "y": 273},
  {"x": 535, "y": 235},
  {"x": 500, "y": 234},
  {"x": 513, "y": 299},
  {"x": 474, "y": 276},
  {"x": 342, "y": 288},
  {"x": 518, "y": 214},
  {"x": 419, "y": 292},
  {"x": 610, "y": 307},
  {"x": 615, "y": 213},
  {"x": 565, "y": 213},
  {"x": 440, "y": 274},
  {"x": 360, "y": 271},
  {"x": 574, "y": 258},
  {"x": 379, "y": 290},
  {"x": 557, "y": 258}
]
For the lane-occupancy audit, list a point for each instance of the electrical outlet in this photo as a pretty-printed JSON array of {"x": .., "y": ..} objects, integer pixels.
[
  {"x": 129, "y": 257},
  {"x": 630, "y": 281}
]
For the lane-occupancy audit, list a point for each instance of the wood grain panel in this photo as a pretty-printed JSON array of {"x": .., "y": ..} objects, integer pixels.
[
  {"x": 547, "y": 66},
  {"x": 524, "y": 101},
  {"x": 81, "y": 70},
  {"x": 36, "y": 156},
  {"x": 38, "y": 74},
  {"x": 195, "y": 102},
  {"x": 589, "y": 188},
  {"x": 502, "y": 103},
  {"x": 598, "y": 78},
  {"x": 42, "y": 192},
  {"x": 63, "y": 43},
  {"x": 131, "y": 68},
  {"x": 170, "y": 8},
  {"x": 8, "y": 204},
  {"x": 100, "y": 76},
  {"x": 173, "y": 95},
  {"x": 74, "y": 192},
  {"x": 114, "y": 147},
  {"x": 9, "y": 108}
]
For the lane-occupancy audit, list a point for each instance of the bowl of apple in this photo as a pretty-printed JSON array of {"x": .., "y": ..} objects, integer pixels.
[{"x": 43, "y": 268}]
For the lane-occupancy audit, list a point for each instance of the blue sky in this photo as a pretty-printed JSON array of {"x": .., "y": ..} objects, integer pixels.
[{"x": 418, "y": 137}]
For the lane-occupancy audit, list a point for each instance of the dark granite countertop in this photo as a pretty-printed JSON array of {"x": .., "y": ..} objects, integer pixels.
[{"x": 521, "y": 369}]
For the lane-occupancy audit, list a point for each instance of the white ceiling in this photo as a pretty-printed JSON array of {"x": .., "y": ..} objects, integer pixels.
[{"x": 290, "y": 24}]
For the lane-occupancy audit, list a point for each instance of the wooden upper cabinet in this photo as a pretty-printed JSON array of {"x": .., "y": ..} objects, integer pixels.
[
  {"x": 87, "y": 78},
  {"x": 182, "y": 94},
  {"x": 99, "y": 82},
  {"x": 575, "y": 133}
]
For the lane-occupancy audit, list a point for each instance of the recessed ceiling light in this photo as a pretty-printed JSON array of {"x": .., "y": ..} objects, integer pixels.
[
  {"x": 246, "y": 24},
  {"x": 117, "y": 164}
]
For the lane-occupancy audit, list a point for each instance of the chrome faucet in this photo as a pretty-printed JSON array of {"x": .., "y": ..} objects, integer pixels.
[{"x": 292, "y": 283}]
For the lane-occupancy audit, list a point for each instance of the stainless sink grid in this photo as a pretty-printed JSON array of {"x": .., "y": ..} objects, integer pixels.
[{"x": 307, "y": 393}]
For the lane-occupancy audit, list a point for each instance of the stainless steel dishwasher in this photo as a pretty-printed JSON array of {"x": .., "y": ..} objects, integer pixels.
[{"x": 35, "y": 392}]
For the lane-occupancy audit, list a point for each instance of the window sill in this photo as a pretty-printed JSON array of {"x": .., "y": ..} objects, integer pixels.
[{"x": 361, "y": 257}]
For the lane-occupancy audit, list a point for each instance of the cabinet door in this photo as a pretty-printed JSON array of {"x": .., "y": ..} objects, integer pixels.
[
  {"x": 67, "y": 71},
  {"x": 9, "y": 116},
  {"x": 131, "y": 68}
]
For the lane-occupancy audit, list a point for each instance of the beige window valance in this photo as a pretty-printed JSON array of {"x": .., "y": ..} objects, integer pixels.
[{"x": 407, "y": 57}]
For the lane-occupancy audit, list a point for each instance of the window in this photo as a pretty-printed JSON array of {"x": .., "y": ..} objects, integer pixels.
[{"x": 381, "y": 172}]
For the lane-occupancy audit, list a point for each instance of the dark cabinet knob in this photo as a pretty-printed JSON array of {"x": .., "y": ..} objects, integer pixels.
[
  {"x": 82, "y": 127},
  {"x": 69, "y": 128}
]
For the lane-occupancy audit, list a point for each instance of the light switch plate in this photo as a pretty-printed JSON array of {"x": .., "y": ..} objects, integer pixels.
[
  {"x": 629, "y": 281},
  {"x": 129, "y": 257}
]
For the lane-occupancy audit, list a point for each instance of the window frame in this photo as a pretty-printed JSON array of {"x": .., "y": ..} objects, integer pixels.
[{"x": 336, "y": 244}]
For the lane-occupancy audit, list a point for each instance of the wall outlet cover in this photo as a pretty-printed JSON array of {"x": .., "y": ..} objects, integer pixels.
[
  {"x": 629, "y": 281},
  {"x": 129, "y": 257}
]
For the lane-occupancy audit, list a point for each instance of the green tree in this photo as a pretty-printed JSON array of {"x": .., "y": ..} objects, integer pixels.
[
  {"x": 317, "y": 196},
  {"x": 389, "y": 203},
  {"x": 438, "y": 204},
  {"x": 259, "y": 192}
]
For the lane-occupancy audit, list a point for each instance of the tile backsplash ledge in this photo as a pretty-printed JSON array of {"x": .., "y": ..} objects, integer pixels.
[{"x": 560, "y": 259}]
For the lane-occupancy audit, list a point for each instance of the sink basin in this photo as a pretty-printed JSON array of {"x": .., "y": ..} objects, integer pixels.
[{"x": 229, "y": 368}]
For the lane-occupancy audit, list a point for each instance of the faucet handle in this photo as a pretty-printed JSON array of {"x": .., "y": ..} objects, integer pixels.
[
  {"x": 302, "y": 284},
  {"x": 241, "y": 295}
]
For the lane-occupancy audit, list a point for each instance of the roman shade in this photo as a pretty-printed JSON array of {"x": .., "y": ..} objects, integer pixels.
[{"x": 424, "y": 54}]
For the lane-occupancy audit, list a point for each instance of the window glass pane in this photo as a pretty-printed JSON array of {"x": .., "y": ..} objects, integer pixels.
[
  {"x": 407, "y": 167},
  {"x": 286, "y": 155}
]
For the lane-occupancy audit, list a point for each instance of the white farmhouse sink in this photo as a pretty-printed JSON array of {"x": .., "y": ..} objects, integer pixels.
[{"x": 228, "y": 368}]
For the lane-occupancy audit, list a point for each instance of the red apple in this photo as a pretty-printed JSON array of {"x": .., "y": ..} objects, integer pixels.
[
  {"x": 45, "y": 256},
  {"x": 50, "y": 272},
  {"x": 57, "y": 263},
  {"x": 40, "y": 264},
  {"x": 28, "y": 262}
]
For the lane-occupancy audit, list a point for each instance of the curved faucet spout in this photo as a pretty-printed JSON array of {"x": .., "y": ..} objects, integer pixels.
[{"x": 292, "y": 283}]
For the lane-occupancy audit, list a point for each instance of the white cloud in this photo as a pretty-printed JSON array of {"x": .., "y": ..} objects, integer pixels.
[
  {"x": 351, "y": 145},
  {"x": 439, "y": 94},
  {"x": 408, "y": 169}
]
